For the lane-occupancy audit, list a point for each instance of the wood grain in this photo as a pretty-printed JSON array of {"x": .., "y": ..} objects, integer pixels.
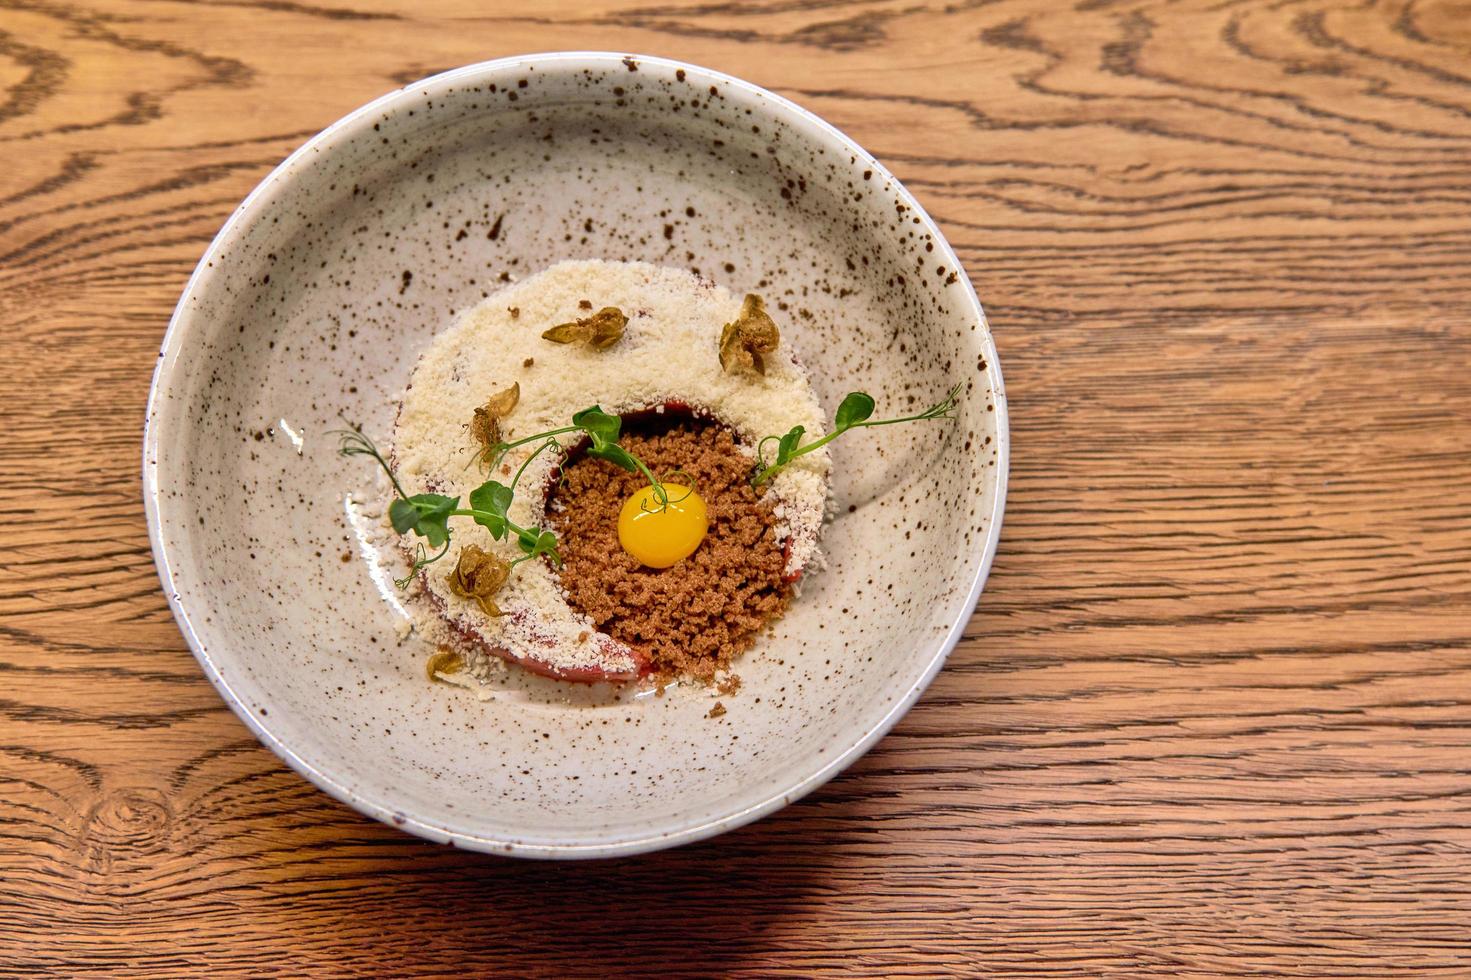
[{"x": 1213, "y": 716}]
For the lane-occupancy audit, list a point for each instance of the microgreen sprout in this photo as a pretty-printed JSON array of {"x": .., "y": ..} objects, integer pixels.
[
  {"x": 853, "y": 413},
  {"x": 602, "y": 430},
  {"x": 427, "y": 514}
]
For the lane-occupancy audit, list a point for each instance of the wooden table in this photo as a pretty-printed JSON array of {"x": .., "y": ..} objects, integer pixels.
[{"x": 1213, "y": 715}]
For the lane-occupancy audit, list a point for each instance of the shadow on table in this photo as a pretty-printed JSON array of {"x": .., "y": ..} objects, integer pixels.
[{"x": 734, "y": 902}]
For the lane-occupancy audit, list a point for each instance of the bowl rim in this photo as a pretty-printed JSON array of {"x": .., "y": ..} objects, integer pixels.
[{"x": 179, "y": 330}]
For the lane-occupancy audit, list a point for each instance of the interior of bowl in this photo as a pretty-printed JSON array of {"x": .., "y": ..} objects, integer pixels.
[{"x": 310, "y": 310}]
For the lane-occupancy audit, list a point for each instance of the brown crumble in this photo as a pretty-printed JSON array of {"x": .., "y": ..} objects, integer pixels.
[
  {"x": 716, "y": 711},
  {"x": 515, "y": 311},
  {"x": 528, "y": 362},
  {"x": 584, "y": 304},
  {"x": 691, "y": 619}
]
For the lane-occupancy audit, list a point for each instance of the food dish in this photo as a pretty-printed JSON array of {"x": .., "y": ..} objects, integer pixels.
[
  {"x": 663, "y": 361},
  {"x": 704, "y": 401},
  {"x": 308, "y": 314}
]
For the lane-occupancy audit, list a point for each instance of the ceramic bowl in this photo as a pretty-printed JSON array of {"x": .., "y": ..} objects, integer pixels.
[{"x": 310, "y": 308}]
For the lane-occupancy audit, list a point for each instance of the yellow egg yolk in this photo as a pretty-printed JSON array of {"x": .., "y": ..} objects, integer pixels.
[{"x": 661, "y": 536}]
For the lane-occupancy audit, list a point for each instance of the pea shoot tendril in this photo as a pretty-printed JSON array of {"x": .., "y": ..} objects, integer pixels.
[
  {"x": 853, "y": 413},
  {"x": 427, "y": 515}
]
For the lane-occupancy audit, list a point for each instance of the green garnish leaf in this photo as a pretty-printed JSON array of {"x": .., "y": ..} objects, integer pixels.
[
  {"x": 426, "y": 514},
  {"x": 854, "y": 412},
  {"x": 616, "y": 455},
  {"x": 534, "y": 542},
  {"x": 601, "y": 427},
  {"x": 434, "y": 514},
  {"x": 856, "y": 407},
  {"x": 403, "y": 515},
  {"x": 788, "y": 444},
  {"x": 490, "y": 501}
]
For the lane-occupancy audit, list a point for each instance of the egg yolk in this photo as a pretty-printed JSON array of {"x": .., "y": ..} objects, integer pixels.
[{"x": 660, "y": 537}]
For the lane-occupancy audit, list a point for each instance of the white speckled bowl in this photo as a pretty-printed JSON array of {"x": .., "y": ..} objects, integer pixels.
[{"x": 311, "y": 307}]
